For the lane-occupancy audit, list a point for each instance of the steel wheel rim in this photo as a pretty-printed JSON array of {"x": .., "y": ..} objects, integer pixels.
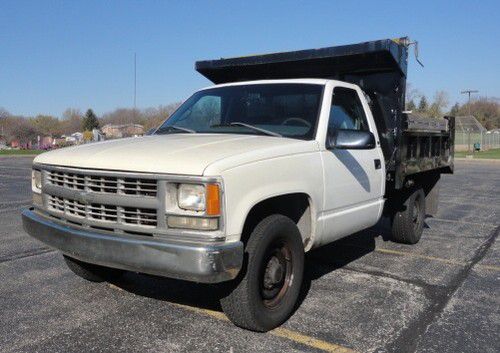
[{"x": 276, "y": 276}]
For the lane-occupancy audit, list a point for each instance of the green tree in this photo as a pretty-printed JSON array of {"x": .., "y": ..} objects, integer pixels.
[
  {"x": 423, "y": 106},
  {"x": 90, "y": 121},
  {"x": 411, "y": 105}
]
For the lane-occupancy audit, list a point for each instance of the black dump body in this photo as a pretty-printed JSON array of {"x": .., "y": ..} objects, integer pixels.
[{"x": 411, "y": 144}]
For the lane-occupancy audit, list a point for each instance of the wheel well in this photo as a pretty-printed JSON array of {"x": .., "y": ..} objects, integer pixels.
[{"x": 295, "y": 206}]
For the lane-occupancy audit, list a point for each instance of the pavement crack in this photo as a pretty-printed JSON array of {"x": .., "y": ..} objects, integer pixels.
[
  {"x": 412, "y": 335},
  {"x": 25, "y": 254}
]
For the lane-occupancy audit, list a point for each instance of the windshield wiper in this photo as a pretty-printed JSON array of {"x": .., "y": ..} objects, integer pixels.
[
  {"x": 238, "y": 123},
  {"x": 174, "y": 128}
]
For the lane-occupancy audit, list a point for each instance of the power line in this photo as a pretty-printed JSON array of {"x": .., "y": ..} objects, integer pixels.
[{"x": 469, "y": 91}]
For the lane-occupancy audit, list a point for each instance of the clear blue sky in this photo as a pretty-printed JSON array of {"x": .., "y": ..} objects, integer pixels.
[{"x": 55, "y": 54}]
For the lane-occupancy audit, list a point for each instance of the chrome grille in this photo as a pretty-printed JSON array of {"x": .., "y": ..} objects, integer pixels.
[
  {"x": 139, "y": 216},
  {"x": 143, "y": 217},
  {"x": 103, "y": 184}
]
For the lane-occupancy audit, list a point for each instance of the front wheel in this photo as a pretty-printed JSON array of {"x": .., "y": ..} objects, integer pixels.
[
  {"x": 408, "y": 219},
  {"x": 267, "y": 292}
]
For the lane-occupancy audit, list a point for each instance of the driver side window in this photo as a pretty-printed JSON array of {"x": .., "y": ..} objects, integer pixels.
[
  {"x": 203, "y": 114},
  {"x": 346, "y": 111}
]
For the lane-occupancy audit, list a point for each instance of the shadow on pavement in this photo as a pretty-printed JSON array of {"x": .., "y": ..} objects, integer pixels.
[{"x": 318, "y": 263}]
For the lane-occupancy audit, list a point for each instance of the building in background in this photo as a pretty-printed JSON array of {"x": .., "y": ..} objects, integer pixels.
[{"x": 112, "y": 131}]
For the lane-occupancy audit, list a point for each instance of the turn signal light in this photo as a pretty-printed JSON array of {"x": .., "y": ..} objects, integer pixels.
[{"x": 213, "y": 200}]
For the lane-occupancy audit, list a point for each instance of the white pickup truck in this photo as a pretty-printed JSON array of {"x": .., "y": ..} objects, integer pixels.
[{"x": 247, "y": 176}]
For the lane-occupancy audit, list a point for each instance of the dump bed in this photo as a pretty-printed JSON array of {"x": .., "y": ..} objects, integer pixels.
[{"x": 379, "y": 68}]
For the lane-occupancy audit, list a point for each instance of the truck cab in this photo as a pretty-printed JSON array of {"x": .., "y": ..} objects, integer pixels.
[{"x": 238, "y": 183}]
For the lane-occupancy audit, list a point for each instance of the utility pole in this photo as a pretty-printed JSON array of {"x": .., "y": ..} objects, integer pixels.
[
  {"x": 135, "y": 80},
  {"x": 469, "y": 91}
]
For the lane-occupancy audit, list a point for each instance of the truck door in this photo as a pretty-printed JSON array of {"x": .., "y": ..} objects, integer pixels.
[{"x": 353, "y": 179}]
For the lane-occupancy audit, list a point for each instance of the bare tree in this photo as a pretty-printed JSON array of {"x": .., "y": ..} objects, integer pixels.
[
  {"x": 412, "y": 94},
  {"x": 46, "y": 125},
  {"x": 72, "y": 121},
  {"x": 439, "y": 105},
  {"x": 23, "y": 131}
]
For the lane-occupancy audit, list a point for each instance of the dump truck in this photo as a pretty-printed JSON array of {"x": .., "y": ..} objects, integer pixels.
[{"x": 287, "y": 152}]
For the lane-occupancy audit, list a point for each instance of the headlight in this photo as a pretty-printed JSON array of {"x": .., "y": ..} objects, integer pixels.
[
  {"x": 193, "y": 206},
  {"x": 36, "y": 181},
  {"x": 192, "y": 197},
  {"x": 199, "y": 197}
]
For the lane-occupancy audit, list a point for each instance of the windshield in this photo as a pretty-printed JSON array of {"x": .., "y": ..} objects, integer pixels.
[{"x": 289, "y": 110}]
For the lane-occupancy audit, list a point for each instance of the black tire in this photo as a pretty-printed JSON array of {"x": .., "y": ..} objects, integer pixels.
[
  {"x": 266, "y": 292},
  {"x": 408, "y": 219},
  {"x": 91, "y": 272}
]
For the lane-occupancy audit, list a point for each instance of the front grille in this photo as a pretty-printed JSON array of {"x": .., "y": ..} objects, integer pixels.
[
  {"x": 109, "y": 214},
  {"x": 103, "y": 184}
]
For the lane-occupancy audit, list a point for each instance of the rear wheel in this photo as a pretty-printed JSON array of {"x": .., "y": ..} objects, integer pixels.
[
  {"x": 91, "y": 272},
  {"x": 408, "y": 219},
  {"x": 266, "y": 294}
]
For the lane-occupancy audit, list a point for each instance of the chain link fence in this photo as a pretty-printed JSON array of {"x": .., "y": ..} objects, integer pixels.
[{"x": 469, "y": 132}]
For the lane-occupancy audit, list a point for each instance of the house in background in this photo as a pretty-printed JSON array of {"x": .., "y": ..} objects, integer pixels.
[
  {"x": 45, "y": 142},
  {"x": 74, "y": 138},
  {"x": 125, "y": 130}
]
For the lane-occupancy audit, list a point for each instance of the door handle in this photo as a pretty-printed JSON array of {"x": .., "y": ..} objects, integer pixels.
[{"x": 378, "y": 165}]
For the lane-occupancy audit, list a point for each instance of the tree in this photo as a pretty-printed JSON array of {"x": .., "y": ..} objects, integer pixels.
[
  {"x": 486, "y": 110},
  {"x": 46, "y": 125},
  {"x": 72, "y": 121},
  {"x": 88, "y": 136},
  {"x": 411, "y": 105},
  {"x": 90, "y": 121},
  {"x": 4, "y": 113},
  {"x": 455, "y": 109},
  {"x": 439, "y": 104},
  {"x": 23, "y": 131},
  {"x": 423, "y": 106},
  {"x": 412, "y": 93}
]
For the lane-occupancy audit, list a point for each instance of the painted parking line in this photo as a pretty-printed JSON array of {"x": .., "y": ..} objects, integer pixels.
[
  {"x": 278, "y": 332},
  {"x": 437, "y": 259}
]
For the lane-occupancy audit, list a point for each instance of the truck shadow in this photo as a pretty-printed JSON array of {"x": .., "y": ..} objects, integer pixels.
[{"x": 318, "y": 263}]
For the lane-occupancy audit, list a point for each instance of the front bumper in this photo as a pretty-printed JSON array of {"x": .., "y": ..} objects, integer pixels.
[{"x": 192, "y": 262}]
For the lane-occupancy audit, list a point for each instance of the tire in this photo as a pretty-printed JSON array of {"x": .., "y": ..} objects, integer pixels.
[
  {"x": 408, "y": 219},
  {"x": 91, "y": 272},
  {"x": 266, "y": 292}
]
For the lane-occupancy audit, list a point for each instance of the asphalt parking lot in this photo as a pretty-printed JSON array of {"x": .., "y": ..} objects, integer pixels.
[{"x": 362, "y": 293}]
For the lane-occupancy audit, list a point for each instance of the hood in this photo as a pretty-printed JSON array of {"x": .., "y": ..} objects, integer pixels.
[{"x": 187, "y": 154}]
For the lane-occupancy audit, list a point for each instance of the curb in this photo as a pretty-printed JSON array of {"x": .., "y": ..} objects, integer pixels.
[{"x": 489, "y": 160}]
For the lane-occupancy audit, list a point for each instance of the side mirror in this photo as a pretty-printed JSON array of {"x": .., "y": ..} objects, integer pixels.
[{"x": 350, "y": 140}]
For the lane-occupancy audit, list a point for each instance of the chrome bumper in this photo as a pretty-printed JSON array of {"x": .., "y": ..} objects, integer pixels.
[{"x": 198, "y": 263}]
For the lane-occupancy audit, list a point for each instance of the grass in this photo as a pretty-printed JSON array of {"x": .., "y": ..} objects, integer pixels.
[
  {"x": 490, "y": 154},
  {"x": 20, "y": 152}
]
